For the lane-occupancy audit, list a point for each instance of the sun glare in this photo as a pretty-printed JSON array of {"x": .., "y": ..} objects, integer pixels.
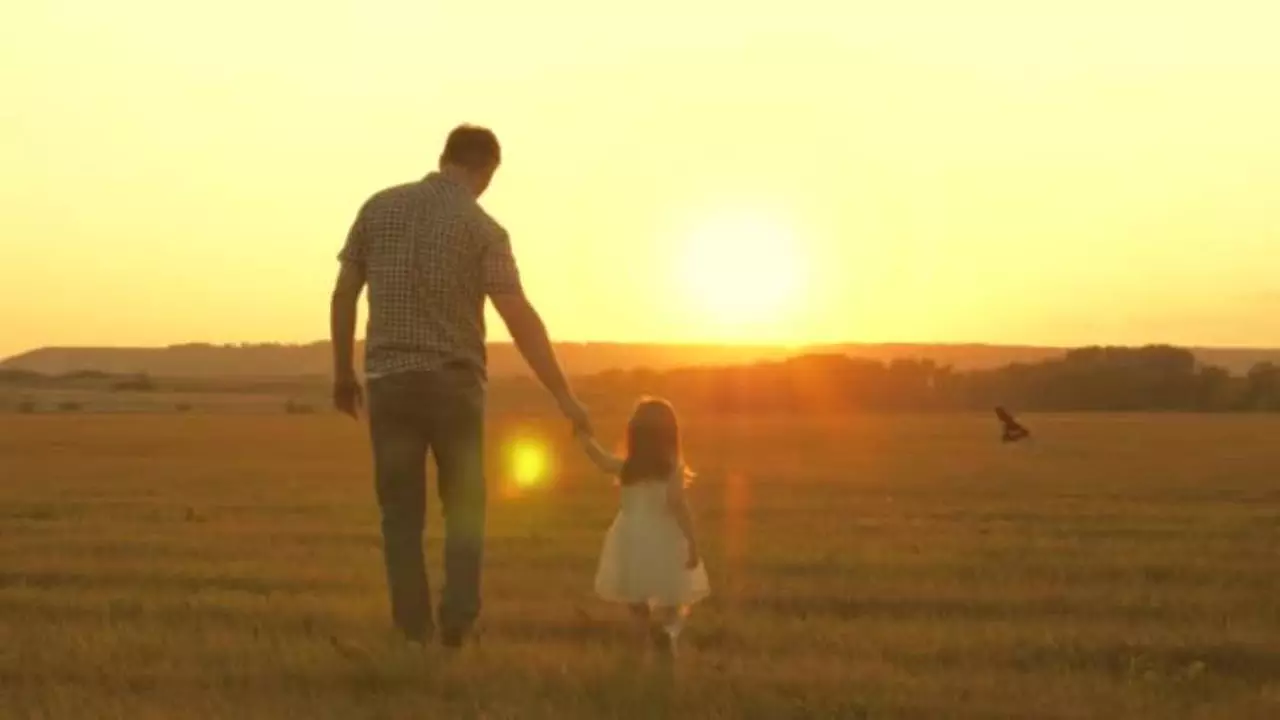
[
  {"x": 528, "y": 463},
  {"x": 743, "y": 269}
]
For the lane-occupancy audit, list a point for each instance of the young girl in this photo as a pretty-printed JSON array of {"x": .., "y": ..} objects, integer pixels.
[{"x": 650, "y": 559}]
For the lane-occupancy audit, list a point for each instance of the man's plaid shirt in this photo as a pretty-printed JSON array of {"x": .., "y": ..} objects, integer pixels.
[{"x": 431, "y": 255}]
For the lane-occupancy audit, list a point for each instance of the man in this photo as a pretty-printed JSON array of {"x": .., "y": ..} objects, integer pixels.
[{"x": 430, "y": 256}]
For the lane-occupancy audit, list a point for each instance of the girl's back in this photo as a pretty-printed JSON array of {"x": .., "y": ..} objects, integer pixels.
[
  {"x": 650, "y": 557},
  {"x": 647, "y": 497}
]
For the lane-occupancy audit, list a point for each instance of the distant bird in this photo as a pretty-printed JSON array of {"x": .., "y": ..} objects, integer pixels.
[{"x": 1012, "y": 430}]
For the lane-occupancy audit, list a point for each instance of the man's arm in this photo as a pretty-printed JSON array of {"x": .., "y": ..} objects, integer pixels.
[
  {"x": 530, "y": 336},
  {"x": 502, "y": 285},
  {"x": 343, "y": 308},
  {"x": 347, "y": 397},
  {"x": 343, "y": 305}
]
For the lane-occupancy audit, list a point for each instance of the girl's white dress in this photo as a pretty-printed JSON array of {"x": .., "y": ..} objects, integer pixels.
[{"x": 644, "y": 555}]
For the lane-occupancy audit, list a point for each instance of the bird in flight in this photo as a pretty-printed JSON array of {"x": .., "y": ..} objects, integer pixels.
[{"x": 1013, "y": 431}]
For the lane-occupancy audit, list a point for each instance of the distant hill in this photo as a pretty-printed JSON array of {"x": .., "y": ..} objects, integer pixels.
[{"x": 271, "y": 360}]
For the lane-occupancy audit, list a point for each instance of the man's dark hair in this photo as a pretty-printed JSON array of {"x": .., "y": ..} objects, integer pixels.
[{"x": 472, "y": 147}]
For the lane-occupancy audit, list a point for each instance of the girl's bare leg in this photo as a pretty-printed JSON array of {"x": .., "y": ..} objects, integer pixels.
[
  {"x": 667, "y": 632},
  {"x": 642, "y": 616}
]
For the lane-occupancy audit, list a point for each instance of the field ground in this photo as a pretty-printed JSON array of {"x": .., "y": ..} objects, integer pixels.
[{"x": 224, "y": 566}]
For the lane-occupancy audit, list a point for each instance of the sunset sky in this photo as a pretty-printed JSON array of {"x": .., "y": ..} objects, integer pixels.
[{"x": 1007, "y": 171}]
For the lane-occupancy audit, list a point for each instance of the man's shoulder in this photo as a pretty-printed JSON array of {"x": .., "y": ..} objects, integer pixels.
[
  {"x": 488, "y": 226},
  {"x": 458, "y": 205},
  {"x": 396, "y": 194},
  {"x": 440, "y": 197}
]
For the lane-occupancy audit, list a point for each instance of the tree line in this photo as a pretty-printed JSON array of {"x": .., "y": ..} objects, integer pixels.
[{"x": 1115, "y": 379}]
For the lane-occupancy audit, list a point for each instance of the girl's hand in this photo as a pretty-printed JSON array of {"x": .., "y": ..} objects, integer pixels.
[
  {"x": 694, "y": 559},
  {"x": 602, "y": 458}
]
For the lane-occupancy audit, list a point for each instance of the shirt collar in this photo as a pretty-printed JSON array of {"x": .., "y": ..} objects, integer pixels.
[{"x": 435, "y": 177}]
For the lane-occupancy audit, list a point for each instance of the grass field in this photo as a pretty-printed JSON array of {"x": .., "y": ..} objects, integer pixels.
[{"x": 202, "y": 566}]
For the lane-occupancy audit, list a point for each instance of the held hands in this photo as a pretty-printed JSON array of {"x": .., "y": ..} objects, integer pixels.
[{"x": 603, "y": 459}]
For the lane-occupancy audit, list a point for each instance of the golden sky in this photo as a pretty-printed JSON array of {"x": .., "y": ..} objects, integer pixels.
[{"x": 989, "y": 170}]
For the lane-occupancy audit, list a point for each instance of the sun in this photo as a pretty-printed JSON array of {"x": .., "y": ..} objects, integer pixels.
[{"x": 743, "y": 270}]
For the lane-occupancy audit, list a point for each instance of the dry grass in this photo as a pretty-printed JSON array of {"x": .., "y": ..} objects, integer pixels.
[{"x": 228, "y": 567}]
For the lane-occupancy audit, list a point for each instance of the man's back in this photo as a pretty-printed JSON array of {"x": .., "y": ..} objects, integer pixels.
[{"x": 430, "y": 256}]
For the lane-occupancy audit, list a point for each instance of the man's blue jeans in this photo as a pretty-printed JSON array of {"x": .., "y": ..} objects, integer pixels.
[{"x": 411, "y": 414}]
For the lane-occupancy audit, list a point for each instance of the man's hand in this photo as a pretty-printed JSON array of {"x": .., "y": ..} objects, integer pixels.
[
  {"x": 348, "y": 397},
  {"x": 577, "y": 414}
]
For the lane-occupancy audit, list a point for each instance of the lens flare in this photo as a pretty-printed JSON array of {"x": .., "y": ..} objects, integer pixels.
[
  {"x": 528, "y": 463},
  {"x": 737, "y": 505}
]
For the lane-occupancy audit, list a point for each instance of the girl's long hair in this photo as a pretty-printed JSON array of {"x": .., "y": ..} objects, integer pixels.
[{"x": 653, "y": 444}]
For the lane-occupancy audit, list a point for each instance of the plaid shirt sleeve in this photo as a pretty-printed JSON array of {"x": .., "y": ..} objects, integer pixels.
[
  {"x": 356, "y": 249},
  {"x": 501, "y": 274}
]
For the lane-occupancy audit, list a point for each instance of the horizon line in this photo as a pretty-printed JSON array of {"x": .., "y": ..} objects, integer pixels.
[{"x": 672, "y": 344}]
